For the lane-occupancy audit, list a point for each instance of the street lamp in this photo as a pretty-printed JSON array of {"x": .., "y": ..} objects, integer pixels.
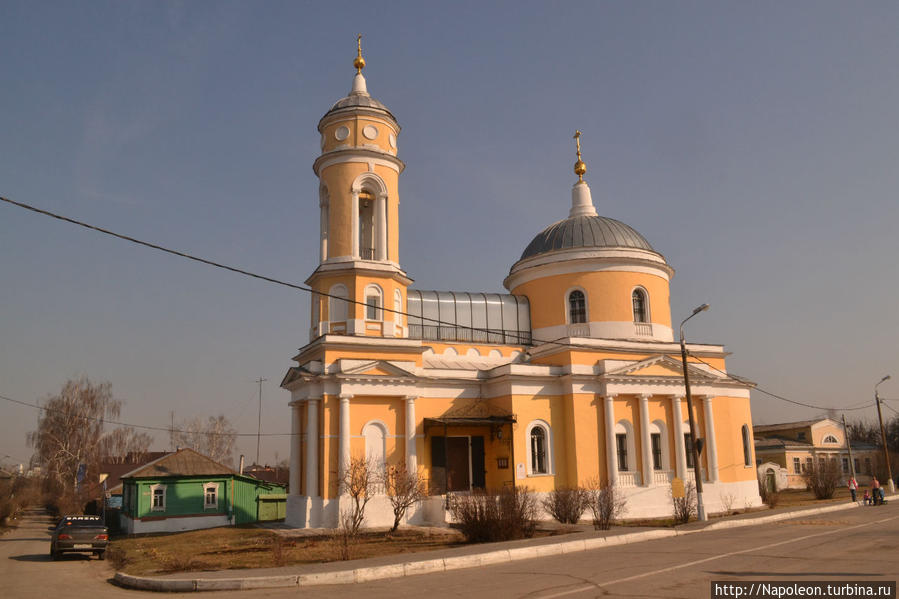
[
  {"x": 697, "y": 473},
  {"x": 883, "y": 435}
]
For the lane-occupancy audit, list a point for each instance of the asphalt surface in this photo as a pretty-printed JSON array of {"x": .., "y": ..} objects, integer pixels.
[{"x": 853, "y": 543}]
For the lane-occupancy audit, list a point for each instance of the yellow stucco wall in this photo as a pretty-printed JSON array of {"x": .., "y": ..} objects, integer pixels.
[{"x": 608, "y": 297}]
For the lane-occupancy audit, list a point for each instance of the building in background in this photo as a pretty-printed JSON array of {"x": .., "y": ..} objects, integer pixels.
[
  {"x": 573, "y": 376},
  {"x": 186, "y": 490},
  {"x": 785, "y": 450}
]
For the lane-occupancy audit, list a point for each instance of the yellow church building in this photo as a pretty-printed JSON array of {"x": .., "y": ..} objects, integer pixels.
[{"x": 573, "y": 375}]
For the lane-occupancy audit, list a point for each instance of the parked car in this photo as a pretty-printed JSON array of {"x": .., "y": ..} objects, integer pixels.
[{"x": 79, "y": 534}]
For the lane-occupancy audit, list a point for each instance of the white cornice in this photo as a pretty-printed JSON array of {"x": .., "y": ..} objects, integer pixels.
[
  {"x": 587, "y": 260},
  {"x": 356, "y": 266},
  {"x": 363, "y": 155}
]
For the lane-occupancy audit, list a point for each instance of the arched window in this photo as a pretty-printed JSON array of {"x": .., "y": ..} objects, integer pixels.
[
  {"x": 658, "y": 437},
  {"x": 337, "y": 303},
  {"x": 397, "y": 307},
  {"x": 624, "y": 445},
  {"x": 375, "y": 434},
  {"x": 831, "y": 439},
  {"x": 373, "y": 303},
  {"x": 747, "y": 449},
  {"x": 577, "y": 307},
  {"x": 324, "y": 203},
  {"x": 538, "y": 435},
  {"x": 366, "y": 226},
  {"x": 641, "y": 307}
]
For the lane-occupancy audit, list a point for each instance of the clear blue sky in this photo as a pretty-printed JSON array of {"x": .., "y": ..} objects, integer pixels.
[{"x": 754, "y": 145}]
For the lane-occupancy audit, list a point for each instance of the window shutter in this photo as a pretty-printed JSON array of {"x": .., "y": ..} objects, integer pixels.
[{"x": 438, "y": 452}]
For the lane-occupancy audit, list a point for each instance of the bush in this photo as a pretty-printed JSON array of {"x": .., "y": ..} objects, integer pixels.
[
  {"x": 485, "y": 517},
  {"x": 822, "y": 477},
  {"x": 566, "y": 505},
  {"x": 605, "y": 503},
  {"x": 685, "y": 507},
  {"x": 769, "y": 496}
]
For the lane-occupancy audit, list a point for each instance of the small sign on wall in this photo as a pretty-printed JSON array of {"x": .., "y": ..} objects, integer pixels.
[{"x": 520, "y": 471}]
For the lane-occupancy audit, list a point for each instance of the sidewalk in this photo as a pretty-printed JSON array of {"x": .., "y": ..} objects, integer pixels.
[{"x": 396, "y": 566}]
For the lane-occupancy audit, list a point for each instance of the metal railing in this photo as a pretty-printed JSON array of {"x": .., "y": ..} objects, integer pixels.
[{"x": 452, "y": 333}]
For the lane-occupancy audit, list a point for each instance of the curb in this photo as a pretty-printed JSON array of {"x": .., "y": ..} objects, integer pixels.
[{"x": 428, "y": 566}]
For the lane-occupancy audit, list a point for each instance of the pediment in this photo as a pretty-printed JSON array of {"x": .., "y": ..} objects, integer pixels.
[
  {"x": 372, "y": 368},
  {"x": 660, "y": 366}
]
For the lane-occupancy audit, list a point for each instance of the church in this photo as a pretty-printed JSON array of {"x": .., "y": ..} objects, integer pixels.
[{"x": 574, "y": 375}]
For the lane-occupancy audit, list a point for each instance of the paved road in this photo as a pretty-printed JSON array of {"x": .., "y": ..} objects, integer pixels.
[{"x": 857, "y": 544}]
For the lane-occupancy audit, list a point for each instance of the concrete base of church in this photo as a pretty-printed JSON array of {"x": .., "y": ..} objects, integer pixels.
[{"x": 641, "y": 502}]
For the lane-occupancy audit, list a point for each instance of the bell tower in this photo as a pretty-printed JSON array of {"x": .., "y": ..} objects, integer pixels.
[{"x": 359, "y": 273}]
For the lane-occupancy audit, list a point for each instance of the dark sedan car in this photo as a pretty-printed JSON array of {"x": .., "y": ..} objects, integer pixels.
[{"x": 79, "y": 534}]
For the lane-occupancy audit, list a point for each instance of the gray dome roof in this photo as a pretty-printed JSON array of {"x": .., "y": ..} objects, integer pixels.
[
  {"x": 585, "y": 232},
  {"x": 355, "y": 100}
]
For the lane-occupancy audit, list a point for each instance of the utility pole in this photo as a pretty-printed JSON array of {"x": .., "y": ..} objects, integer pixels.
[
  {"x": 259, "y": 427},
  {"x": 697, "y": 469},
  {"x": 883, "y": 436},
  {"x": 849, "y": 447}
]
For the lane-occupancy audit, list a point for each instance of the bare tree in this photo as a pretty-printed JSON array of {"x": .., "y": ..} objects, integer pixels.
[
  {"x": 685, "y": 507},
  {"x": 215, "y": 437},
  {"x": 605, "y": 502},
  {"x": 822, "y": 477},
  {"x": 70, "y": 428},
  {"x": 404, "y": 489},
  {"x": 123, "y": 445},
  {"x": 358, "y": 481}
]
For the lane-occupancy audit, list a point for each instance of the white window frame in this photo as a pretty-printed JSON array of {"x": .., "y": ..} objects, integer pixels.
[
  {"x": 548, "y": 457},
  {"x": 153, "y": 489},
  {"x": 658, "y": 427},
  {"x": 647, "y": 313},
  {"x": 831, "y": 439},
  {"x": 215, "y": 489},
  {"x": 372, "y": 291},
  {"x": 381, "y": 432},
  {"x": 624, "y": 427},
  {"x": 335, "y": 304},
  {"x": 568, "y": 305}
]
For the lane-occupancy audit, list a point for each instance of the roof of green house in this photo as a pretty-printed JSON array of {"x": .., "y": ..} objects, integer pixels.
[{"x": 184, "y": 462}]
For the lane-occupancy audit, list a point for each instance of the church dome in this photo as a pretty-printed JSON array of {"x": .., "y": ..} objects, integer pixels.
[{"x": 585, "y": 231}]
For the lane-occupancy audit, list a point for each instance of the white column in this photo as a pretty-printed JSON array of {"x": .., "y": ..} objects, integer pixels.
[
  {"x": 382, "y": 227},
  {"x": 354, "y": 220},
  {"x": 312, "y": 448},
  {"x": 611, "y": 453},
  {"x": 645, "y": 441},
  {"x": 411, "y": 455},
  {"x": 680, "y": 451},
  {"x": 343, "y": 446},
  {"x": 711, "y": 448},
  {"x": 294, "y": 481}
]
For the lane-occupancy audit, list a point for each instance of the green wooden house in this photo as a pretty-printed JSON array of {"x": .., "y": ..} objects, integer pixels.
[{"x": 186, "y": 490}]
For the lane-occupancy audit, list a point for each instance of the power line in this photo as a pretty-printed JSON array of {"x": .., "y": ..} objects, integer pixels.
[
  {"x": 355, "y": 302},
  {"x": 141, "y": 426}
]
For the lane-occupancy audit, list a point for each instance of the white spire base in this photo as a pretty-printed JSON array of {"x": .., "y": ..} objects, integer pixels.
[
  {"x": 359, "y": 88},
  {"x": 581, "y": 200}
]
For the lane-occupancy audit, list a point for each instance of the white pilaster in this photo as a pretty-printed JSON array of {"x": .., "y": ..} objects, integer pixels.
[
  {"x": 411, "y": 454},
  {"x": 343, "y": 446},
  {"x": 645, "y": 441},
  {"x": 294, "y": 482},
  {"x": 711, "y": 448},
  {"x": 611, "y": 453},
  {"x": 680, "y": 450},
  {"x": 323, "y": 233},
  {"x": 354, "y": 219},
  {"x": 382, "y": 227},
  {"x": 312, "y": 448}
]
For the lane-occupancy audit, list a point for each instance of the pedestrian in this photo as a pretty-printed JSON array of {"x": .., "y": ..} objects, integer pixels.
[
  {"x": 876, "y": 491},
  {"x": 867, "y": 497},
  {"x": 853, "y": 488}
]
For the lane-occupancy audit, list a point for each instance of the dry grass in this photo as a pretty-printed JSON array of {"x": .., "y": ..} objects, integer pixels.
[
  {"x": 230, "y": 548},
  {"x": 797, "y": 497}
]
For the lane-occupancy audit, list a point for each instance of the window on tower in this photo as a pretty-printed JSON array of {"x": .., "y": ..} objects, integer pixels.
[
  {"x": 577, "y": 307},
  {"x": 372, "y": 303},
  {"x": 366, "y": 226},
  {"x": 639, "y": 300}
]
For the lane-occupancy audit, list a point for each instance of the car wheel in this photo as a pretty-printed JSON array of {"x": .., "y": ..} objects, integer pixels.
[{"x": 101, "y": 555}]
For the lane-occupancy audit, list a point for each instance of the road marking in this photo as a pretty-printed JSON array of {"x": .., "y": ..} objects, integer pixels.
[{"x": 708, "y": 559}]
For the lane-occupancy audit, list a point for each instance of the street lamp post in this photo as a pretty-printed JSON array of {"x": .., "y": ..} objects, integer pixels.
[
  {"x": 697, "y": 471},
  {"x": 883, "y": 435}
]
